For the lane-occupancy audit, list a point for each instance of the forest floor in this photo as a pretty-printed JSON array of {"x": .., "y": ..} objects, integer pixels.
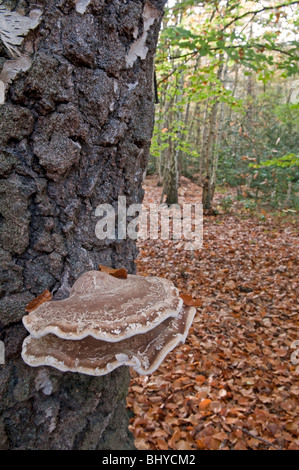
[{"x": 234, "y": 384}]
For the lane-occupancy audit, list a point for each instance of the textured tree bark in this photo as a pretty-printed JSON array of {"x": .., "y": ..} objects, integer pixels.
[{"x": 75, "y": 132}]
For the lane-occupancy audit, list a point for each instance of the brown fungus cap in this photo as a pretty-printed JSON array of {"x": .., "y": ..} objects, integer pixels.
[
  {"x": 90, "y": 356},
  {"x": 106, "y": 308}
]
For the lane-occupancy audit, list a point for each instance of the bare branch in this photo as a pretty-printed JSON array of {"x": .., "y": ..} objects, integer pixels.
[{"x": 256, "y": 12}]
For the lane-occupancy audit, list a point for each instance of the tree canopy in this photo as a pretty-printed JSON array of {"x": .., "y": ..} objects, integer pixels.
[{"x": 227, "y": 77}]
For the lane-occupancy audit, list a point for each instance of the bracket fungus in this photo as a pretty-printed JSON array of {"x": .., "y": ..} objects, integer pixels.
[
  {"x": 143, "y": 352},
  {"x": 108, "y": 322}
]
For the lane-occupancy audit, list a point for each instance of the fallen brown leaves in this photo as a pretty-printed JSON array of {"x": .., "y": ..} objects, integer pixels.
[
  {"x": 232, "y": 385},
  {"x": 46, "y": 296},
  {"x": 188, "y": 300},
  {"x": 120, "y": 273}
]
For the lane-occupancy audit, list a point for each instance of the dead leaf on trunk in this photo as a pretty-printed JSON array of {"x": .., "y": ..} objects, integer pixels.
[
  {"x": 46, "y": 296},
  {"x": 115, "y": 272}
]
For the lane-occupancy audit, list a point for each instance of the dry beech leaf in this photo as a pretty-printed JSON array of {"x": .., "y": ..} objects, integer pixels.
[
  {"x": 216, "y": 407},
  {"x": 204, "y": 404},
  {"x": 230, "y": 285},
  {"x": 42, "y": 298},
  {"x": 200, "y": 378},
  {"x": 220, "y": 436},
  {"x": 188, "y": 300},
  {"x": 120, "y": 273},
  {"x": 162, "y": 445},
  {"x": 183, "y": 445},
  {"x": 200, "y": 444},
  {"x": 159, "y": 433},
  {"x": 141, "y": 444},
  {"x": 240, "y": 445}
]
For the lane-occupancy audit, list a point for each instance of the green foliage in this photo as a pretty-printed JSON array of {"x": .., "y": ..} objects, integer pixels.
[
  {"x": 265, "y": 158},
  {"x": 226, "y": 203},
  {"x": 259, "y": 131},
  {"x": 287, "y": 161},
  {"x": 248, "y": 204},
  {"x": 224, "y": 27}
]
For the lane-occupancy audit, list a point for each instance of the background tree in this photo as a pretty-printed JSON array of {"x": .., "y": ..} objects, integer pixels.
[
  {"x": 242, "y": 47},
  {"x": 75, "y": 130}
]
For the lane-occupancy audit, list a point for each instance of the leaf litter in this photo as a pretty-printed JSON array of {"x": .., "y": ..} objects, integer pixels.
[{"x": 234, "y": 384}]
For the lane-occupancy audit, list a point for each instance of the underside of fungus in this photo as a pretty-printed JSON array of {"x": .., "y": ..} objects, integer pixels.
[
  {"x": 144, "y": 352},
  {"x": 108, "y": 322}
]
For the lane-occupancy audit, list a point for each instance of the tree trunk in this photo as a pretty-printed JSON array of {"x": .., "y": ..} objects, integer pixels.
[
  {"x": 171, "y": 173},
  {"x": 172, "y": 178},
  {"x": 75, "y": 132},
  {"x": 218, "y": 138},
  {"x": 209, "y": 156},
  {"x": 204, "y": 136},
  {"x": 208, "y": 185}
]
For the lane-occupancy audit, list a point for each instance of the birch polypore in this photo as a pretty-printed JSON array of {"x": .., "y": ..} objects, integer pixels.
[
  {"x": 107, "y": 308},
  {"x": 144, "y": 352},
  {"x": 108, "y": 322}
]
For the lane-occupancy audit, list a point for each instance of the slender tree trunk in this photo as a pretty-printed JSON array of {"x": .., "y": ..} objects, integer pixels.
[
  {"x": 171, "y": 169},
  {"x": 234, "y": 90},
  {"x": 172, "y": 178},
  {"x": 209, "y": 155},
  {"x": 204, "y": 135},
  {"x": 197, "y": 143},
  {"x": 219, "y": 132},
  {"x": 183, "y": 157},
  {"x": 75, "y": 132},
  {"x": 209, "y": 182},
  {"x": 176, "y": 156},
  {"x": 167, "y": 178},
  {"x": 159, "y": 158},
  {"x": 288, "y": 199},
  {"x": 171, "y": 174}
]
